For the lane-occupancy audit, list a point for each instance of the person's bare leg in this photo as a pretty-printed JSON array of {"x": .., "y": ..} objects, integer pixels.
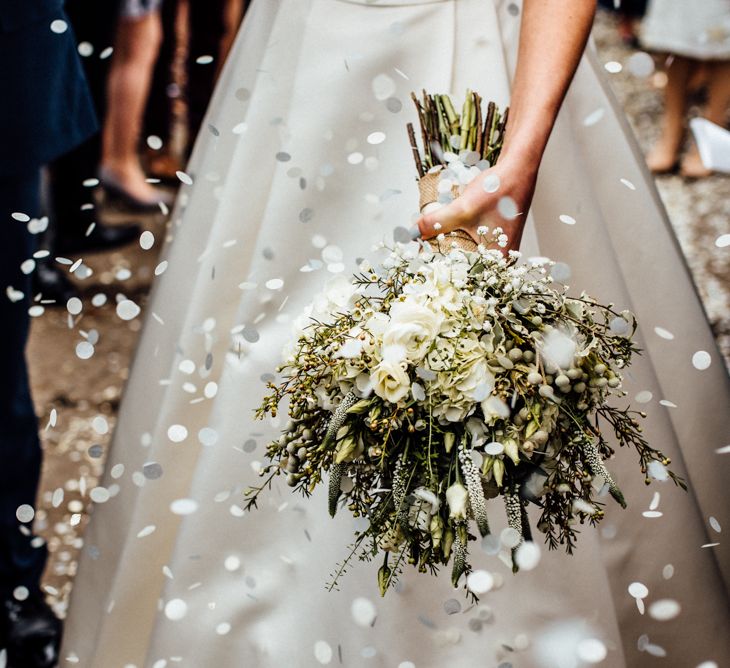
[
  {"x": 718, "y": 102},
  {"x": 663, "y": 155},
  {"x": 136, "y": 48}
]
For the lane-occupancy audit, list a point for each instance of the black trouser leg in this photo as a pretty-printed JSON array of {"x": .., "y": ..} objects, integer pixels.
[{"x": 20, "y": 454}]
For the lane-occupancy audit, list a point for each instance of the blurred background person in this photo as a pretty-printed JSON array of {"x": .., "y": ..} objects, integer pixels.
[
  {"x": 197, "y": 36},
  {"x": 74, "y": 225},
  {"x": 46, "y": 111},
  {"x": 628, "y": 12},
  {"x": 691, "y": 34},
  {"x": 136, "y": 48}
]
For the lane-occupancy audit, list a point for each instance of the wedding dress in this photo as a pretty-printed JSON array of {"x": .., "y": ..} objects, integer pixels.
[{"x": 291, "y": 183}]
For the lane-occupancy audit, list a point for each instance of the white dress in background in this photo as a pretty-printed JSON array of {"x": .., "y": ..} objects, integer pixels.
[
  {"x": 697, "y": 29},
  {"x": 284, "y": 179}
]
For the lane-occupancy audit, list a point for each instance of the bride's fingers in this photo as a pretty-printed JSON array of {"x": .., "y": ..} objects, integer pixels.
[{"x": 446, "y": 219}]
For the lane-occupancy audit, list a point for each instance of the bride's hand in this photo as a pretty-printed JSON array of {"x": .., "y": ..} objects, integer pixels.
[{"x": 490, "y": 200}]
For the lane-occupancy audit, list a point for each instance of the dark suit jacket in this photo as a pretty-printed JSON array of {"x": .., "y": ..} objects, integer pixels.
[{"x": 45, "y": 107}]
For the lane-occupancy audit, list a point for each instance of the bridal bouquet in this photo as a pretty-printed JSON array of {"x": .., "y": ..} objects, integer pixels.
[{"x": 445, "y": 378}]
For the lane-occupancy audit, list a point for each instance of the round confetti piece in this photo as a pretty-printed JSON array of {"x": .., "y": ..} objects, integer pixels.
[
  {"x": 184, "y": 178},
  {"x": 628, "y": 184},
  {"x": 59, "y": 26},
  {"x": 527, "y": 556},
  {"x": 25, "y": 513},
  {"x": 591, "y": 650},
  {"x": 510, "y": 537},
  {"x": 20, "y": 217},
  {"x": 208, "y": 436},
  {"x": 100, "y": 425},
  {"x": 204, "y": 60},
  {"x": 176, "y": 609},
  {"x": 643, "y": 397},
  {"x": 664, "y": 609},
  {"x": 74, "y": 306},
  {"x": 668, "y": 572},
  {"x": 701, "y": 360},
  {"x": 594, "y": 117},
  {"x": 21, "y": 593},
  {"x": 183, "y": 506},
  {"x": 99, "y": 495},
  {"x": 275, "y": 284},
  {"x": 322, "y": 652},
  {"x": 640, "y": 64},
  {"x": 232, "y": 563},
  {"x": 723, "y": 241},
  {"x": 479, "y": 582},
  {"x": 363, "y": 612},
  {"x": 613, "y": 67},
  {"x": 127, "y": 309},
  {"x": 355, "y": 158},
  {"x": 383, "y": 87},
  {"x": 507, "y": 208},
  {"x": 84, "y": 350},
  {"x": 715, "y": 525},
  {"x": 664, "y": 333},
  {"x": 565, "y": 218},
  {"x": 146, "y": 240},
  {"x": 177, "y": 433},
  {"x": 376, "y": 138},
  {"x": 638, "y": 590},
  {"x": 161, "y": 268},
  {"x": 223, "y": 628}
]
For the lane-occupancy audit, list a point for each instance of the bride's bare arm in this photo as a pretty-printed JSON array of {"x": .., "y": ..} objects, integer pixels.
[{"x": 552, "y": 38}]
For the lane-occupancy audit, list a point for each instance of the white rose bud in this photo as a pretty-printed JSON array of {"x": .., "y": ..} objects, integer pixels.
[
  {"x": 390, "y": 381},
  {"x": 457, "y": 498}
]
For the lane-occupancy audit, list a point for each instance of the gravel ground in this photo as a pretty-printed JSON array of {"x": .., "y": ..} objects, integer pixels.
[{"x": 77, "y": 399}]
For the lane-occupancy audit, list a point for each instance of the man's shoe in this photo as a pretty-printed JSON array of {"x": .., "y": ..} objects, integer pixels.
[
  {"x": 102, "y": 238},
  {"x": 33, "y": 632}
]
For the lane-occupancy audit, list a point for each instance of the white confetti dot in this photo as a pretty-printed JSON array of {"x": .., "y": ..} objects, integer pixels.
[
  {"x": 187, "y": 367},
  {"x": 644, "y": 397},
  {"x": 701, "y": 360},
  {"x": 640, "y": 64},
  {"x": 20, "y": 217},
  {"x": 210, "y": 390},
  {"x": 668, "y": 572},
  {"x": 161, "y": 268},
  {"x": 21, "y": 593},
  {"x": 204, "y": 60},
  {"x": 322, "y": 652},
  {"x": 510, "y": 537},
  {"x": 383, "y": 87},
  {"x": 363, "y": 612},
  {"x": 565, "y": 218},
  {"x": 25, "y": 513},
  {"x": 479, "y": 582},
  {"x": 355, "y": 158},
  {"x": 84, "y": 350},
  {"x": 232, "y": 563},
  {"x": 664, "y": 333},
  {"x": 184, "y": 178},
  {"x": 491, "y": 183},
  {"x": 591, "y": 650},
  {"x": 628, "y": 184},
  {"x": 715, "y": 525},
  {"x": 99, "y": 495},
  {"x": 59, "y": 26},
  {"x": 208, "y": 436},
  {"x": 527, "y": 556},
  {"x": 275, "y": 284},
  {"x": 593, "y": 117},
  {"x": 613, "y": 67},
  {"x": 223, "y": 628},
  {"x": 176, "y": 609},
  {"x": 154, "y": 142},
  {"x": 146, "y": 240},
  {"x": 723, "y": 241},
  {"x": 100, "y": 425},
  {"x": 507, "y": 208},
  {"x": 98, "y": 300},
  {"x": 147, "y": 531},
  {"x": 74, "y": 306},
  {"x": 638, "y": 590},
  {"x": 177, "y": 433},
  {"x": 36, "y": 311},
  {"x": 406, "y": 664},
  {"x": 652, "y": 514},
  {"x": 127, "y": 309},
  {"x": 183, "y": 506},
  {"x": 376, "y": 138},
  {"x": 27, "y": 266},
  {"x": 708, "y": 664},
  {"x": 664, "y": 609}
]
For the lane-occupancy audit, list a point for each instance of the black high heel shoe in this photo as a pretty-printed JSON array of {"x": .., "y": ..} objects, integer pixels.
[{"x": 116, "y": 191}]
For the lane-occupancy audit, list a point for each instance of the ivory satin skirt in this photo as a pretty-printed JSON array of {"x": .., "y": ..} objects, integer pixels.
[{"x": 286, "y": 186}]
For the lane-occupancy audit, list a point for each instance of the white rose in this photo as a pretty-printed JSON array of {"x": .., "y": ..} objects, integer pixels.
[
  {"x": 413, "y": 326},
  {"x": 390, "y": 381},
  {"x": 457, "y": 498}
]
